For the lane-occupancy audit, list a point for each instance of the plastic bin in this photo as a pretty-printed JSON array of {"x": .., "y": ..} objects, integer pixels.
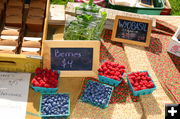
[
  {"x": 54, "y": 116},
  {"x": 46, "y": 90},
  {"x": 94, "y": 103},
  {"x": 109, "y": 81},
  {"x": 158, "y": 7},
  {"x": 141, "y": 92}
]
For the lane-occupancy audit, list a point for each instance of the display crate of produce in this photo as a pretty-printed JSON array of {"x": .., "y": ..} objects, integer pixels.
[
  {"x": 141, "y": 91},
  {"x": 97, "y": 94},
  {"x": 22, "y": 62},
  {"x": 158, "y": 7},
  {"x": 56, "y": 105},
  {"x": 47, "y": 89}
]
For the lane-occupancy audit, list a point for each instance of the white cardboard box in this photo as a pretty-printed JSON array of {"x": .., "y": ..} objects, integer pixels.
[{"x": 174, "y": 45}]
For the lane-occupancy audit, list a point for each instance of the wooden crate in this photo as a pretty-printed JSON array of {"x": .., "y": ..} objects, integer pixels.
[
  {"x": 24, "y": 63},
  {"x": 167, "y": 9}
]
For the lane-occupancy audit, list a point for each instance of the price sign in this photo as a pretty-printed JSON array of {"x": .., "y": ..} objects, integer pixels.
[
  {"x": 72, "y": 58},
  {"x": 132, "y": 30}
]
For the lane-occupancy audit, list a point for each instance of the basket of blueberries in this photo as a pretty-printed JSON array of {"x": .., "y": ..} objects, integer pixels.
[
  {"x": 55, "y": 105},
  {"x": 97, "y": 94}
]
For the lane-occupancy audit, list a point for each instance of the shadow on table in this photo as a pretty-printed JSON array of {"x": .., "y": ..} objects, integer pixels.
[
  {"x": 176, "y": 60},
  {"x": 150, "y": 105},
  {"x": 155, "y": 46}
]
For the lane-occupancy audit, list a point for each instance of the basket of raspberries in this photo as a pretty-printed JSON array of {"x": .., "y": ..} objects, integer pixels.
[
  {"x": 45, "y": 80},
  {"x": 111, "y": 73},
  {"x": 141, "y": 83}
]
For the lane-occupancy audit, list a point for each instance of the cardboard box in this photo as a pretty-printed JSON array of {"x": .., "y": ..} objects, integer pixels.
[
  {"x": 35, "y": 23},
  {"x": 8, "y": 41},
  {"x": 38, "y": 4},
  {"x": 13, "y": 11},
  {"x": 30, "y": 51},
  {"x": 25, "y": 63},
  {"x": 36, "y": 12},
  {"x": 15, "y": 3},
  {"x": 14, "y": 20},
  {"x": 7, "y": 50},
  {"x": 174, "y": 45},
  {"x": 32, "y": 42}
]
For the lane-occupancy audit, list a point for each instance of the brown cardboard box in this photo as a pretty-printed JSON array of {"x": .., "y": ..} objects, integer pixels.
[
  {"x": 8, "y": 49},
  {"x": 32, "y": 42},
  {"x": 33, "y": 34},
  {"x": 30, "y": 51},
  {"x": 36, "y": 12},
  {"x": 14, "y": 20},
  {"x": 13, "y": 11},
  {"x": 15, "y": 3},
  {"x": 9, "y": 42},
  {"x": 34, "y": 24},
  {"x": 38, "y": 4},
  {"x": 10, "y": 31}
]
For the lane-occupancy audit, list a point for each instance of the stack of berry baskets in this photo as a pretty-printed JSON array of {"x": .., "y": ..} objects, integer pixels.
[
  {"x": 45, "y": 81},
  {"x": 140, "y": 83},
  {"x": 54, "y": 105},
  {"x": 111, "y": 73}
]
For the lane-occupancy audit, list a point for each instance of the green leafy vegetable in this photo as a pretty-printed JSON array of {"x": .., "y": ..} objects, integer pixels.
[{"x": 88, "y": 25}]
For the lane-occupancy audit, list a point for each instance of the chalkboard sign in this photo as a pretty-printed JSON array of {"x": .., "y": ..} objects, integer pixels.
[
  {"x": 147, "y": 3},
  {"x": 132, "y": 30},
  {"x": 74, "y": 58},
  {"x": 71, "y": 58}
]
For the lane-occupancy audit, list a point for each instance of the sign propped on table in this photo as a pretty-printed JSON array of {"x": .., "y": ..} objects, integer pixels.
[
  {"x": 72, "y": 58},
  {"x": 132, "y": 30}
]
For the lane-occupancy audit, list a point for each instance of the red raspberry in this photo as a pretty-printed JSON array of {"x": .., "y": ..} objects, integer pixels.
[
  {"x": 136, "y": 84},
  {"x": 100, "y": 73},
  {"x": 47, "y": 85},
  {"x": 142, "y": 88},
  {"x": 100, "y": 70},
  {"x": 33, "y": 81}
]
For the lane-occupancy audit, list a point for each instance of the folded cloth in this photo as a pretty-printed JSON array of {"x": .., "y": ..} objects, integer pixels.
[
  {"x": 130, "y": 3},
  {"x": 101, "y": 3}
]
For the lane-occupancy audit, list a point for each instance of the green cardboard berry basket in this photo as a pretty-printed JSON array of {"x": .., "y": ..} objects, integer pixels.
[
  {"x": 46, "y": 90},
  {"x": 141, "y": 92},
  {"x": 158, "y": 7},
  {"x": 109, "y": 81},
  {"x": 54, "y": 116},
  {"x": 95, "y": 104}
]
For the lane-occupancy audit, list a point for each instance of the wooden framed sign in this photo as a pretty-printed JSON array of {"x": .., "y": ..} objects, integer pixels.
[
  {"x": 131, "y": 30},
  {"x": 147, "y": 3},
  {"x": 72, "y": 58}
]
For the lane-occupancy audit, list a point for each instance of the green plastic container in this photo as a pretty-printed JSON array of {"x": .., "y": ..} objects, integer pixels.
[{"x": 158, "y": 7}]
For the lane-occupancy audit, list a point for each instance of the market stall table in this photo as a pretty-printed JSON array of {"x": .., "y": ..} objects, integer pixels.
[{"x": 135, "y": 58}]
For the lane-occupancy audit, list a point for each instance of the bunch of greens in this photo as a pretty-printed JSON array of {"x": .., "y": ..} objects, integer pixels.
[{"x": 88, "y": 24}]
